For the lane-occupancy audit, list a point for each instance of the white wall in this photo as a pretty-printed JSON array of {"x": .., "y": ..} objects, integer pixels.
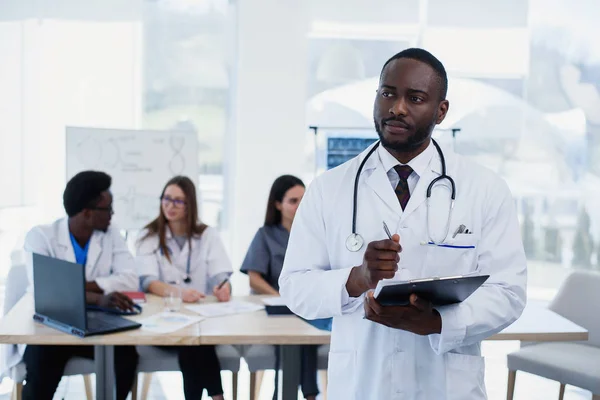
[
  {"x": 10, "y": 113},
  {"x": 268, "y": 134}
]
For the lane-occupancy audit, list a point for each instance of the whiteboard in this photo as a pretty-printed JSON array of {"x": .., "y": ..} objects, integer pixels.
[{"x": 140, "y": 162}]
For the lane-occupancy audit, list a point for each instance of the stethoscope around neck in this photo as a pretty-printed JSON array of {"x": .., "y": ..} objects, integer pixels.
[
  {"x": 355, "y": 241},
  {"x": 187, "y": 278}
]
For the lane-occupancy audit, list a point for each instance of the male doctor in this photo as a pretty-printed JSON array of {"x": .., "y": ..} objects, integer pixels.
[
  {"x": 85, "y": 237},
  {"x": 416, "y": 352}
]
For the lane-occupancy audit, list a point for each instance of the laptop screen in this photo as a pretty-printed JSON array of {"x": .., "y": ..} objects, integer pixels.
[{"x": 59, "y": 290}]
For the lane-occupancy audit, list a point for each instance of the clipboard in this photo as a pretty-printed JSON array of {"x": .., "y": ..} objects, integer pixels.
[{"x": 439, "y": 291}]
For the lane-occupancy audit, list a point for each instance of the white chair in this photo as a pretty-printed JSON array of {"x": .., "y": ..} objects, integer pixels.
[
  {"x": 570, "y": 363},
  {"x": 16, "y": 286},
  {"x": 262, "y": 357},
  {"x": 161, "y": 359}
]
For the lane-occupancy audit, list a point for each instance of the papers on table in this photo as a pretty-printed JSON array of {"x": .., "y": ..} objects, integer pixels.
[
  {"x": 227, "y": 308},
  {"x": 167, "y": 322}
]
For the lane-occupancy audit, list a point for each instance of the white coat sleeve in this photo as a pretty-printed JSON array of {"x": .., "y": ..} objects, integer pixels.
[
  {"x": 123, "y": 276},
  {"x": 146, "y": 251},
  {"x": 35, "y": 242},
  {"x": 308, "y": 285},
  {"x": 217, "y": 259},
  {"x": 147, "y": 257},
  {"x": 501, "y": 299}
]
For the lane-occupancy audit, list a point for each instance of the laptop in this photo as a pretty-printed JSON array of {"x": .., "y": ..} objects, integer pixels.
[{"x": 60, "y": 300}]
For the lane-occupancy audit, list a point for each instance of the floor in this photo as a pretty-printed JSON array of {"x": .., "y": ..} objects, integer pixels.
[{"x": 168, "y": 385}]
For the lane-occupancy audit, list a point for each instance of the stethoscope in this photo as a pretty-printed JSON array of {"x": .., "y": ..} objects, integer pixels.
[
  {"x": 187, "y": 278},
  {"x": 355, "y": 241}
]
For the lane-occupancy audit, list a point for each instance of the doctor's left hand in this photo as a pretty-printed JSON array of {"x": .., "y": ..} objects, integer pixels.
[
  {"x": 418, "y": 317},
  {"x": 223, "y": 294}
]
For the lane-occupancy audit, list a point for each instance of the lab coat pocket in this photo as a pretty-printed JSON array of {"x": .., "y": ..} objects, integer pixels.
[
  {"x": 340, "y": 375},
  {"x": 465, "y": 377},
  {"x": 457, "y": 257}
]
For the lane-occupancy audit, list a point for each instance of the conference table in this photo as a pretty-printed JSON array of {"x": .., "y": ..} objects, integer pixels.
[{"x": 537, "y": 324}]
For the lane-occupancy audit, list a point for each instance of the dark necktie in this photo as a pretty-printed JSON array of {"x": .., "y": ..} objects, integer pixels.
[{"x": 402, "y": 191}]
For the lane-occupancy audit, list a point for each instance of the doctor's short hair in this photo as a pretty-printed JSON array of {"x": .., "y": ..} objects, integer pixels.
[
  {"x": 84, "y": 190},
  {"x": 426, "y": 57},
  {"x": 278, "y": 190}
]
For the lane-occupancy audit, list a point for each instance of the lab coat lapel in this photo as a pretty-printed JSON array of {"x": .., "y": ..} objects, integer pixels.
[
  {"x": 64, "y": 247},
  {"x": 417, "y": 198},
  {"x": 434, "y": 170},
  {"x": 379, "y": 182},
  {"x": 175, "y": 252},
  {"x": 182, "y": 254},
  {"x": 94, "y": 250}
]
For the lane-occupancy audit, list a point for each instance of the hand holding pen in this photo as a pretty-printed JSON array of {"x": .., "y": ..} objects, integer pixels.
[
  {"x": 380, "y": 261},
  {"x": 223, "y": 291}
]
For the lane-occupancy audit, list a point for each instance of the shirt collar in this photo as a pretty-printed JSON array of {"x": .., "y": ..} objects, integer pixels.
[
  {"x": 419, "y": 164},
  {"x": 77, "y": 246}
]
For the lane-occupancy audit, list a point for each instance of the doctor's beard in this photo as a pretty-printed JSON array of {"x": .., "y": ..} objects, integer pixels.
[{"x": 412, "y": 143}]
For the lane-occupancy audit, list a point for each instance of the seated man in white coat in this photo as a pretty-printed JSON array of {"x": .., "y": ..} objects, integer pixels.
[
  {"x": 338, "y": 253},
  {"x": 87, "y": 238}
]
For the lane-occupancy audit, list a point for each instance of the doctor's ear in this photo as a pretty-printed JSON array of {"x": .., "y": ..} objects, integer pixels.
[
  {"x": 278, "y": 205},
  {"x": 442, "y": 111}
]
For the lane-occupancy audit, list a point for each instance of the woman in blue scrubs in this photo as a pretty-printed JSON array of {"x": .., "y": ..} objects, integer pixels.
[{"x": 264, "y": 260}]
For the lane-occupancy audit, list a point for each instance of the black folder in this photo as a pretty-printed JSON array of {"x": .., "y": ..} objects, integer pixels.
[{"x": 439, "y": 291}]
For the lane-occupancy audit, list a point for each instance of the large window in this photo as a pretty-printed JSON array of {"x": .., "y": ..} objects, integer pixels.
[
  {"x": 106, "y": 64},
  {"x": 187, "y": 57},
  {"x": 524, "y": 84}
]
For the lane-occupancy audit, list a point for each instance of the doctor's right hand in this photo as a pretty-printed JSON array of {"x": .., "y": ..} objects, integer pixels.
[{"x": 380, "y": 261}]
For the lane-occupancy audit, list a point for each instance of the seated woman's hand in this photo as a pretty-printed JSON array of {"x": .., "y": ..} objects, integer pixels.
[
  {"x": 224, "y": 293},
  {"x": 191, "y": 295}
]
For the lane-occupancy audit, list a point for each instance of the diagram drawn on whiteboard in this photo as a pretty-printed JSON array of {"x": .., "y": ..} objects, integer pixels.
[
  {"x": 94, "y": 153},
  {"x": 136, "y": 206},
  {"x": 88, "y": 152},
  {"x": 139, "y": 162},
  {"x": 177, "y": 163}
]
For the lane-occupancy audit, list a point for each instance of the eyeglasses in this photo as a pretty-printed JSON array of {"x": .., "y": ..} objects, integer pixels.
[
  {"x": 107, "y": 209},
  {"x": 177, "y": 203}
]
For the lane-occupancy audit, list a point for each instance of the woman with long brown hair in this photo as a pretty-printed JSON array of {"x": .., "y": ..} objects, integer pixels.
[{"x": 176, "y": 252}]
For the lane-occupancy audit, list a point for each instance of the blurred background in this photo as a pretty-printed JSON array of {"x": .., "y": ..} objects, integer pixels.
[{"x": 251, "y": 77}]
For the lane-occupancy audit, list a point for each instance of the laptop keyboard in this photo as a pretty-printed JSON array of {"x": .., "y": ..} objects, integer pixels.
[
  {"x": 99, "y": 322},
  {"x": 95, "y": 324}
]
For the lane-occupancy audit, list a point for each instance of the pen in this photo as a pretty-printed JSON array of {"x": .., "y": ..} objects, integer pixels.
[
  {"x": 460, "y": 229},
  {"x": 387, "y": 231},
  {"x": 222, "y": 283}
]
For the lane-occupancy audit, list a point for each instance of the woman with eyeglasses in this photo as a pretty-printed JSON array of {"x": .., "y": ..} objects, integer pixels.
[{"x": 176, "y": 252}]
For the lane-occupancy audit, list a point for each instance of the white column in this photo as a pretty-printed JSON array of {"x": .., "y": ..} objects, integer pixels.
[{"x": 267, "y": 136}]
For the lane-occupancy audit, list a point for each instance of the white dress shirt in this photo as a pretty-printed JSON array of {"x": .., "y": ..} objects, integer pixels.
[{"x": 419, "y": 165}]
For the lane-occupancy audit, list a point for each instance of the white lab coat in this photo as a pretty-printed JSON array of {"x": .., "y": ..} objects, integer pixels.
[
  {"x": 109, "y": 262},
  {"x": 208, "y": 259},
  {"x": 369, "y": 360}
]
